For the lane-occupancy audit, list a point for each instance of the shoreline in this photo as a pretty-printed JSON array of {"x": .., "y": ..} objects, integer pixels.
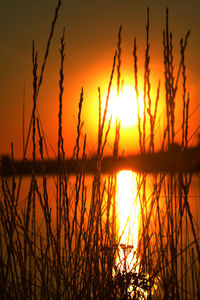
[{"x": 162, "y": 161}]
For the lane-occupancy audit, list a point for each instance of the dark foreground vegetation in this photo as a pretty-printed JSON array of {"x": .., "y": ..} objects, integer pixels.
[{"x": 67, "y": 246}]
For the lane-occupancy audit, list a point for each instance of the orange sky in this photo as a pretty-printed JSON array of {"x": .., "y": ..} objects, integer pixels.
[{"x": 91, "y": 40}]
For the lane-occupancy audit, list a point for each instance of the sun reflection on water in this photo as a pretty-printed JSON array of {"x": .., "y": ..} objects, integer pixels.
[{"x": 128, "y": 217}]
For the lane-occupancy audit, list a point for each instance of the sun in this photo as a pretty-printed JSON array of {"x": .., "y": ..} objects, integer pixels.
[{"x": 124, "y": 107}]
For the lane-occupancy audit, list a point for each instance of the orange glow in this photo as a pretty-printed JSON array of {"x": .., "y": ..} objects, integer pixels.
[
  {"x": 124, "y": 107},
  {"x": 128, "y": 214}
]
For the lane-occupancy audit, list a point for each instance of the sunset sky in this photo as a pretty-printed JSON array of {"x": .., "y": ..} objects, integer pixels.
[{"x": 91, "y": 35}]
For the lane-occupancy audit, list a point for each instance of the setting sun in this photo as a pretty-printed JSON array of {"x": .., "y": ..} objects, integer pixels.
[{"x": 124, "y": 107}]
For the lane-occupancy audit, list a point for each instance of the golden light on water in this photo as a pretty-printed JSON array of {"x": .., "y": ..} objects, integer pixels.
[{"x": 128, "y": 213}]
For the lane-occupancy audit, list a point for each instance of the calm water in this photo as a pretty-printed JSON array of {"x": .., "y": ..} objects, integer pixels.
[
  {"x": 127, "y": 192},
  {"x": 129, "y": 201}
]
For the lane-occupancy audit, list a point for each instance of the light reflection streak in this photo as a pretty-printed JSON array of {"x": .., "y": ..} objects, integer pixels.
[{"x": 128, "y": 217}]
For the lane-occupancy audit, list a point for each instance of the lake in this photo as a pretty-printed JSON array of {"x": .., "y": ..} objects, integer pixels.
[{"x": 156, "y": 229}]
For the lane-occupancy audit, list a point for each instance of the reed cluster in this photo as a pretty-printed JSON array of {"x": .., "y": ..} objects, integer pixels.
[{"x": 68, "y": 247}]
